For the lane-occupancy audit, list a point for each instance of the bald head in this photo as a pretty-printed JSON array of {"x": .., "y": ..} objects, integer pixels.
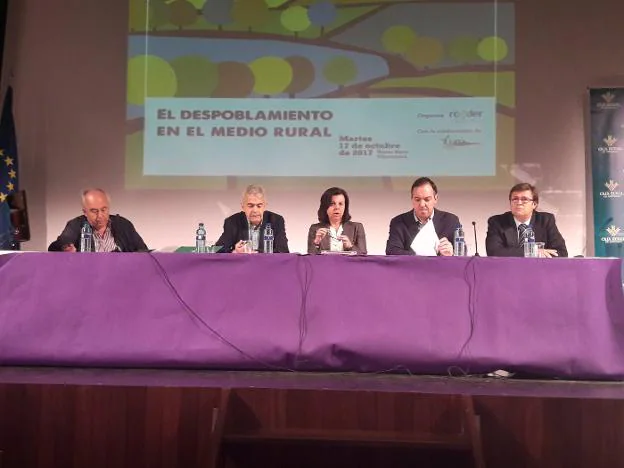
[
  {"x": 94, "y": 192},
  {"x": 96, "y": 206}
]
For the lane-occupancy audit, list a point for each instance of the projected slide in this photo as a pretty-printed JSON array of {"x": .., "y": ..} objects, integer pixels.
[
  {"x": 224, "y": 88},
  {"x": 320, "y": 137}
]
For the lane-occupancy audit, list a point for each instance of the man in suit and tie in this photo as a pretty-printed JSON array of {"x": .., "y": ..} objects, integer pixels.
[
  {"x": 505, "y": 231},
  {"x": 423, "y": 230},
  {"x": 249, "y": 224}
]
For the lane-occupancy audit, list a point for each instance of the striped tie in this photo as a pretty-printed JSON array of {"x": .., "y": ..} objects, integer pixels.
[{"x": 521, "y": 233}]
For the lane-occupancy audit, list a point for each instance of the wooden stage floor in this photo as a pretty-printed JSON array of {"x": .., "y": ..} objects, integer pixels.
[
  {"x": 70, "y": 417},
  {"x": 395, "y": 382}
]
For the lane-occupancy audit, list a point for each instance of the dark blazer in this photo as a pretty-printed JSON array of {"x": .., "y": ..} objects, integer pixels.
[
  {"x": 403, "y": 230},
  {"x": 502, "y": 235},
  {"x": 124, "y": 233},
  {"x": 354, "y": 231},
  {"x": 236, "y": 228}
]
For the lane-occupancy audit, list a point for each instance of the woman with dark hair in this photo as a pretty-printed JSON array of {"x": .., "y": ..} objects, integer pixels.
[{"x": 335, "y": 231}]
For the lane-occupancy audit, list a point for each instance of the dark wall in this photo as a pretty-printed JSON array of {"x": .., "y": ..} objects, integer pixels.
[{"x": 3, "y": 21}]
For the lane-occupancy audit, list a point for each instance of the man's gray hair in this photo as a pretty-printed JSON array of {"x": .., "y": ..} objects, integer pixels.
[
  {"x": 253, "y": 189},
  {"x": 86, "y": 192}
]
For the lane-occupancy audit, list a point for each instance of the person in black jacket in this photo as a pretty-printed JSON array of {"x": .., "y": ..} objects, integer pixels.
[
  {"x": 422, "y": 230},
  {"x": 504, "y": 236},
  {"x": 252, "y": 221},
  {"x": 111, "y": 233}
]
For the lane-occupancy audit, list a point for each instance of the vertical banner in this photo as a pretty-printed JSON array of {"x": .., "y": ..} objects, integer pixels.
[{"x": 607, "y": 166}]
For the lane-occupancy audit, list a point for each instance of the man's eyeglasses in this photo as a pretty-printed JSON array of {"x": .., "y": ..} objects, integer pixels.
[{"x": 522, "y": 200}]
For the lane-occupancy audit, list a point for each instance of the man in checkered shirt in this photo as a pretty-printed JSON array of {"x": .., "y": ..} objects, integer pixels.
[{"x": 111, "y": 233}]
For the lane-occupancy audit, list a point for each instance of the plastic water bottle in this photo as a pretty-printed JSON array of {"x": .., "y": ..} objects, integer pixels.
[
  {"x": 268, "y": 239},
  {"x": 86, "y": 237},
  {"x": 254, "y": 238},
  {"x": 530, "y": 247},
  {"x": 200, "y": 239},
  {"x": 459, "y": 243}
]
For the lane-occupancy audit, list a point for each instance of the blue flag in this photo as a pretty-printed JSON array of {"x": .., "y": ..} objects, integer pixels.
[{"x": 8, "y": 170}]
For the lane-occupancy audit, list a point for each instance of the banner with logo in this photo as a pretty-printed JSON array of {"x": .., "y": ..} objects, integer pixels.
[{"x": 607, "y": 166}]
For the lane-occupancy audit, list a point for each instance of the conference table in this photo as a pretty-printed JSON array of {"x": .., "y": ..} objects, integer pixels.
[{"x": 560, "y": 318}]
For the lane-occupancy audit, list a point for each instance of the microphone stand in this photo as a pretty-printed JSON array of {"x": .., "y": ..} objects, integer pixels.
[{"x": 474, "y": 228}]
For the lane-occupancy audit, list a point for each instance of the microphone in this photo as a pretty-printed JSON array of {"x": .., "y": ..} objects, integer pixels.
[{"x": 474, "y": 228}]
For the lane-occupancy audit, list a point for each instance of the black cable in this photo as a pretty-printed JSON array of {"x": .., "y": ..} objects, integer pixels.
[
  {"x": 305, "y": 279},
  {"x": 471, "y": 299},
  {"x": 197, "y": 317},
  {"x": 305, "y": 282}
]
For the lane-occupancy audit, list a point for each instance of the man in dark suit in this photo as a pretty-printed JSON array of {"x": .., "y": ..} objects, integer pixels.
[
  {"x": 252, "y": 221},
  {"x": 504, "y": 236},
  {"x": 422, "y": 230},
  {"x": 111, "y": 233}
]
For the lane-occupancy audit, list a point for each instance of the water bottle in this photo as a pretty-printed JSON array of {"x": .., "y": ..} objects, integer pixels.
[
  {"x": 254, "y": 238},
  {"x": 86, "y": 237},
  {"x": 530, "y": 247},
  {"x": 459, "y": 242},
  {"x": 268, "y": 239},
  {"x": 200, "y": 239}
]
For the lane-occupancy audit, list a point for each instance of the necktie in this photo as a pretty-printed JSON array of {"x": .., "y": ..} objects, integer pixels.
[
  {"x": 521, "y": 233},
  {"x": 419, "y": 226}
]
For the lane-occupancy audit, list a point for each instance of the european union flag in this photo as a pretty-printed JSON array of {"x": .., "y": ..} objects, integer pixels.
[{"x": 8, "y": 170}]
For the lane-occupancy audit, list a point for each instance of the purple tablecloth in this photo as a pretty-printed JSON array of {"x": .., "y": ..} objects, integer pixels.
[{"x": 562, "y": 317}]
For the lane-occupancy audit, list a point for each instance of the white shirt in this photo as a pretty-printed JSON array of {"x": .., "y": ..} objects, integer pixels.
[
  {"x": 335, "y": 245},
  {"x": 426, "y": 241}
]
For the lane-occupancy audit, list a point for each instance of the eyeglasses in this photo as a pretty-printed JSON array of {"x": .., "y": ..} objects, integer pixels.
[{"x": 521, "y": 200}]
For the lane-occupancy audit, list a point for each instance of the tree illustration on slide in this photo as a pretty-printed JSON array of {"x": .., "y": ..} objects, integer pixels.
[
  {"x": 251, "y": 14},
  {"x": 322, "y": 14},
  {"x": 295, "y": 19},
  {"x": 272, "y": 75},
  {"x": 149, "y": 76},
  {"x": 159, "y": 14},
  {"x": 148, "y": 16},
  {"x": 398, "y": 39},
  {"x": 137, "y": 16},
  {"x": 276, "y": 3},
  {"x": 425, "y": 51},
  {"x": 463, "y": 49},
  {"x": 492, "y": 49},
  {"x": 303, "y": 75},
  {"x": 235, "y": 80},
  {"x": 340, "y": 71},
  {"x": 182, "y": 13},
  {"x": 218, "y": 12},
  {"x": 196, "y": 76}
]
